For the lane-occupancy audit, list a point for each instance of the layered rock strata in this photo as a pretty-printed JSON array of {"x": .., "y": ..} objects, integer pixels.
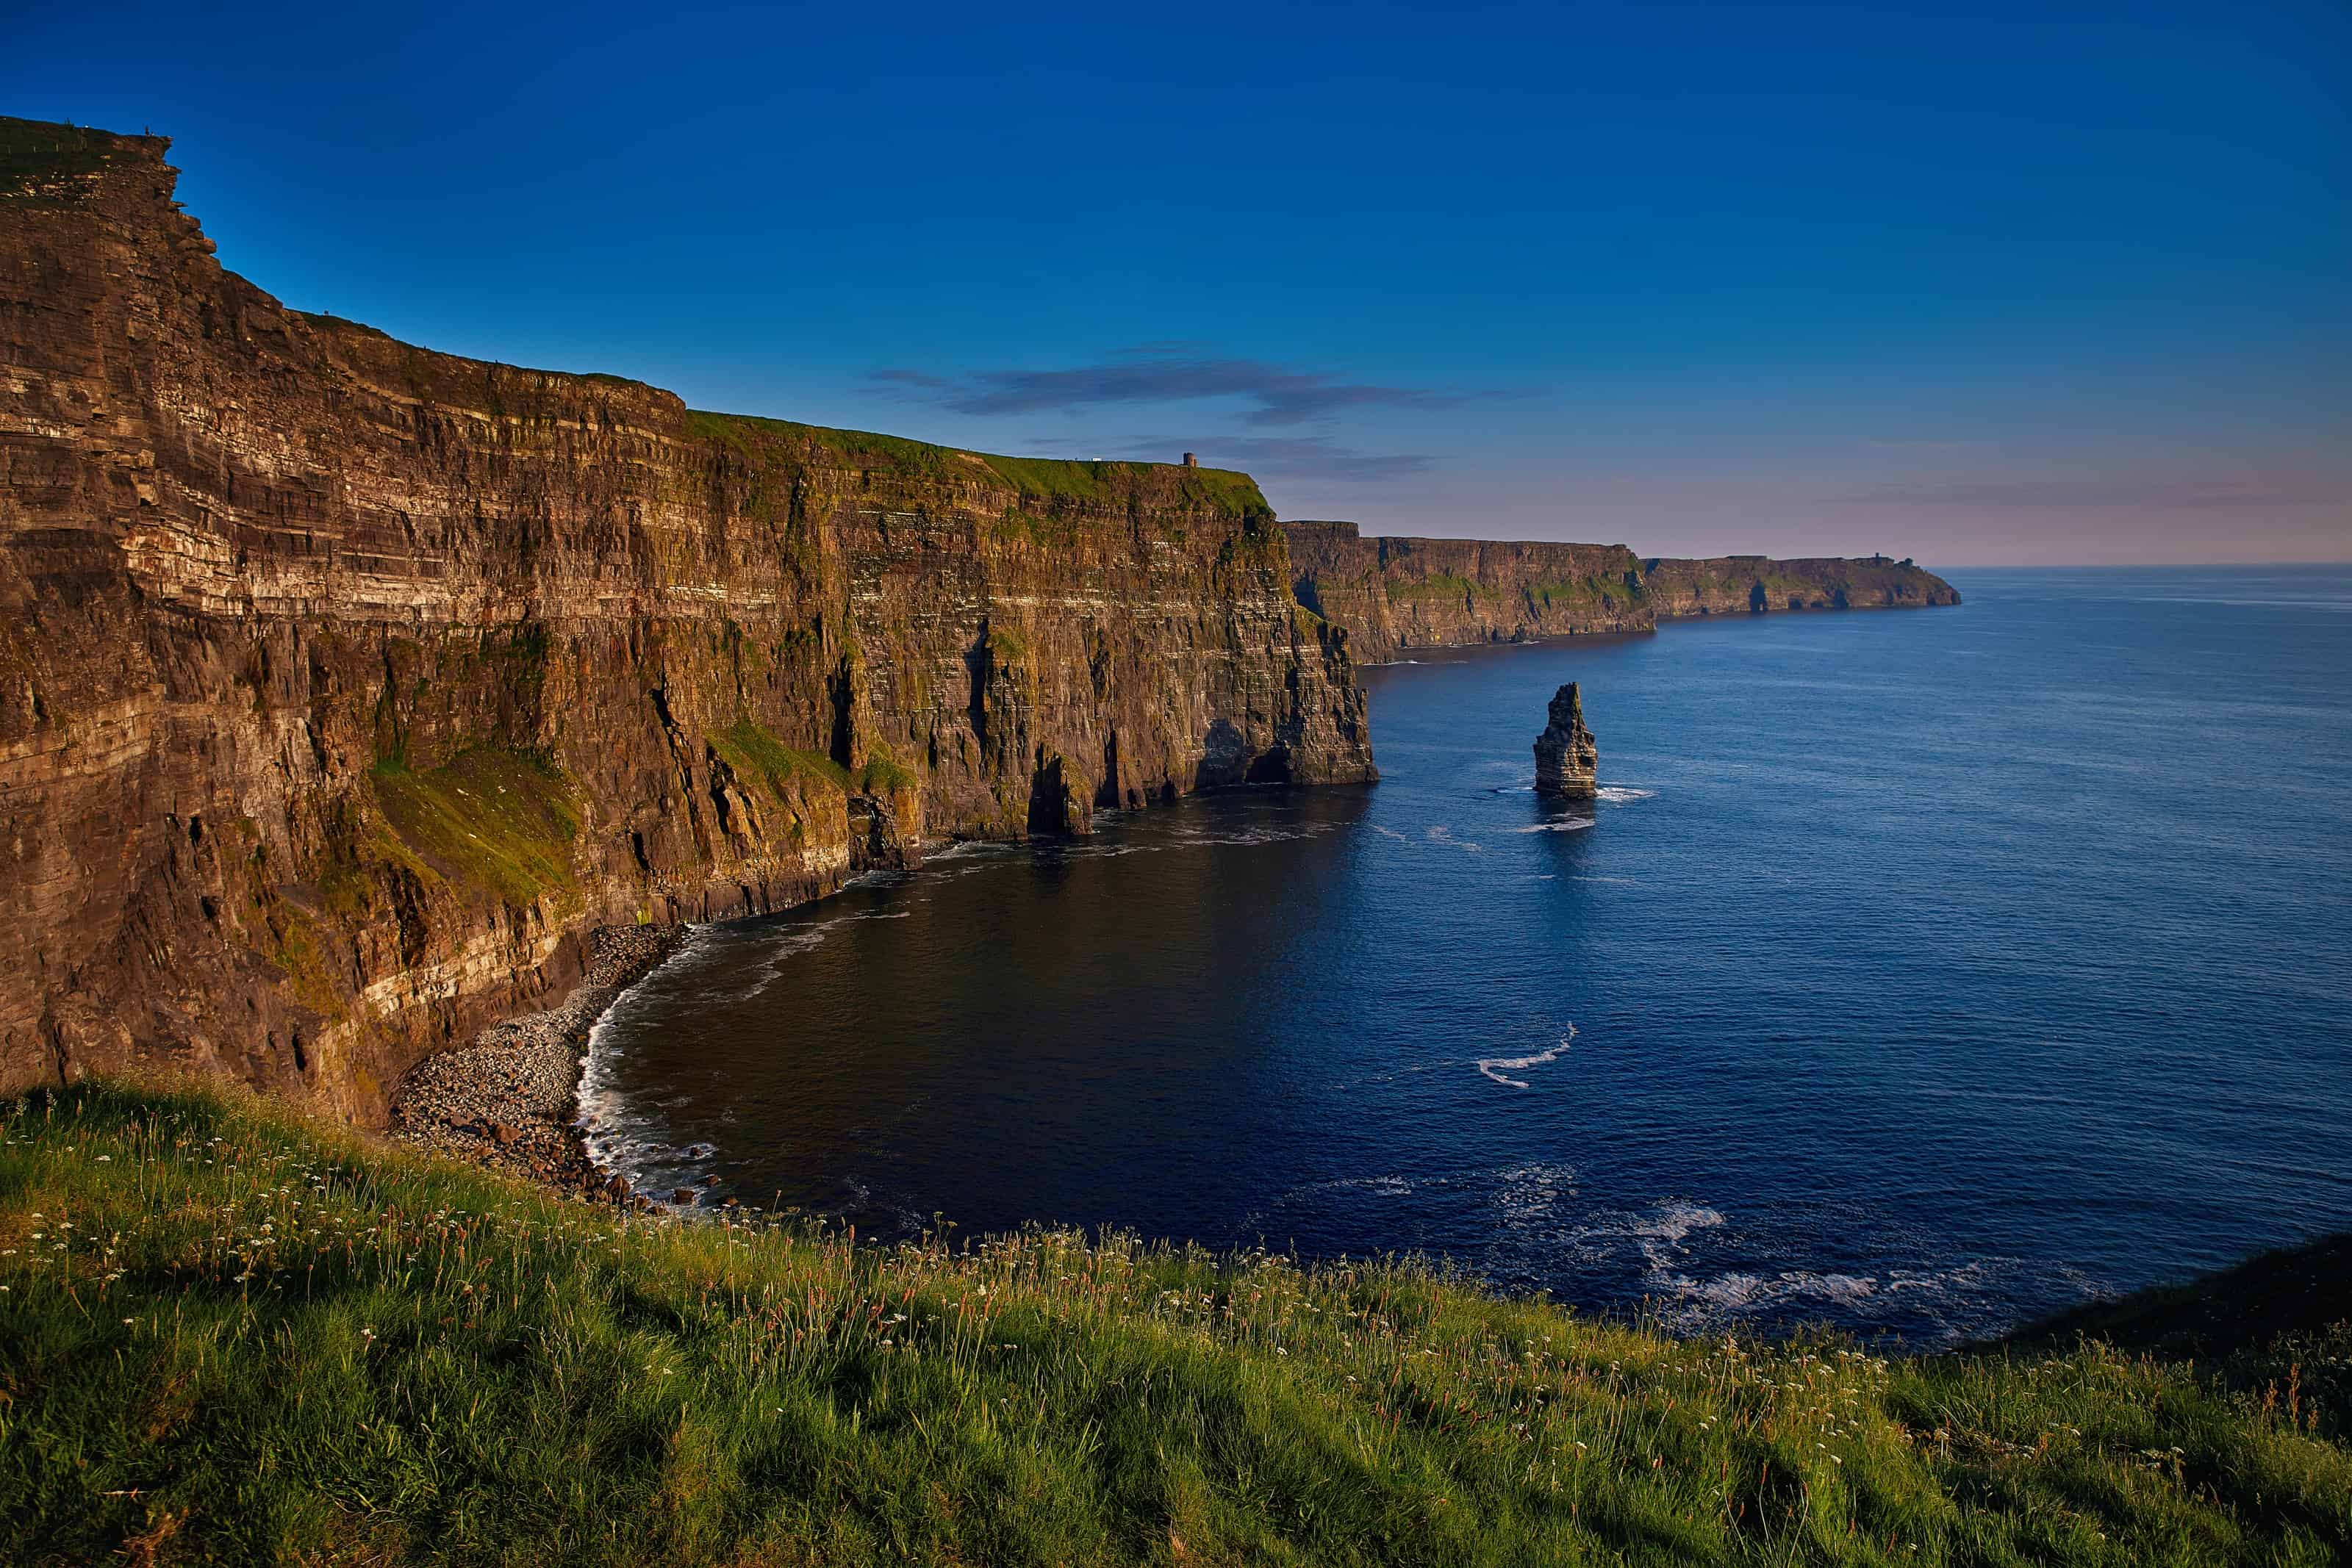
[
  {"x": 345, "y": 685},
  {"x": 1758, "y": 585},
  {"x": 1394, "y": 594},
  {"x": 1568, "y": 761}
]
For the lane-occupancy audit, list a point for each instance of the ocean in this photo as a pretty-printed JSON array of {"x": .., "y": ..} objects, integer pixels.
[{"x": 1918, "y": 973}]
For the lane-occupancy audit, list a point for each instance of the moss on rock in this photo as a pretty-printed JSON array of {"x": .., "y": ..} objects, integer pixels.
[{"x": 496, "y": 820}]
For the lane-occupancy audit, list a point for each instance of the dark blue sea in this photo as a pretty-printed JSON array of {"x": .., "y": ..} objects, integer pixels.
[{"x": 1918, "y": 973}]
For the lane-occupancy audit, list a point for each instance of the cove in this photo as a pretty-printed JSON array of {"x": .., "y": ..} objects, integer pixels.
[{"x": 1914, "y": 972}]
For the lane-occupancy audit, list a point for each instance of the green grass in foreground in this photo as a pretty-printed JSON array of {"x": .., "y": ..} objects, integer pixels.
[{"x": 228, "y": 1335}]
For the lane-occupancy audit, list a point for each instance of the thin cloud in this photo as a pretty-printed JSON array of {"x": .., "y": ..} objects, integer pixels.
[
  {"x": 1308, "y": 457},
  {"x": 1298, "y": 456},
  {"x": 1160, "y": 373},
  {"x": 910, "y": 379}
]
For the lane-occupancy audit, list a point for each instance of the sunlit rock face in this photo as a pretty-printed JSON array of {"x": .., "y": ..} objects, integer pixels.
[
  {"x": 344, "y": 685},
  {"x": 1567, "y": 760},
  {"x": 1393, "y": 594},
  {"x": 1760, "y": 585}
]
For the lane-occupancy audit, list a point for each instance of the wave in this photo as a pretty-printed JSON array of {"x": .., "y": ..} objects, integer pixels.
[
  {"x": 601, "y": 1113},
  {"x": 1747, "y": 1293},
  {"x": 1254, "y": 1222},
  {"x": 1565, "y": 825},
  {"x": 1673, "y": 1241},
  {"x": 1189, "y": 838},
  {"x": 1674, "y": 1222},
  {"x": 1521, "y": 1192},
  {"x": 1614, "y": 794},
  {"x": 1531, "y": 1193},
  {"x": 783, "y": 945},
  {"x": 1489, "y": 1065},
  {"x": 1380, "y": 1186},
  {"x": 972, "y": 849}
]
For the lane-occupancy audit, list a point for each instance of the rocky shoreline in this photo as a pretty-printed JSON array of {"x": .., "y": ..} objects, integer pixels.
[{"x": 509, "y": 1101}]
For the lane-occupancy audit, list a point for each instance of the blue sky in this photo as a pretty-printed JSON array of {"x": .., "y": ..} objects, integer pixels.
[{"x": 1981, "y": 284}]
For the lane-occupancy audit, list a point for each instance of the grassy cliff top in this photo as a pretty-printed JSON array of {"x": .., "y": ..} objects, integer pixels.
[
  {"x": 1331, "y": 532},
  {"x": 42, "y": 161},
  {"x": 1038, "y": 478},
  {"x": 1800, "y": 562},
  {"x": 1803, "y": 575},
  {"x": 452, "y": 378},
  {"x": 228, "y": 1334}
]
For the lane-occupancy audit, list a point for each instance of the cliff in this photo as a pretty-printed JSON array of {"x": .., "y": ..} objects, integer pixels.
[
  {"x": 345, "y": 685},
  {"x": 1753, "y": 585},
  {"x": 1395, "y": 593}
]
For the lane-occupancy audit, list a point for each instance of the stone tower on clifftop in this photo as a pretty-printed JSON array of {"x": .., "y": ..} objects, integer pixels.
[{"x": 1566, "y": 758}]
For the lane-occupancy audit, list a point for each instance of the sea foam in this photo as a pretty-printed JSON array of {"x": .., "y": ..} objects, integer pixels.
[{"x": 1494, "y": 1067}]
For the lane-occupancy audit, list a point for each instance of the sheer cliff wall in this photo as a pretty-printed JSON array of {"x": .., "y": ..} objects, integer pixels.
[
  {"x": 1394, "y": 593},
  {"x": 345, "y": 686},
  {"x": 1756, "y": 585}
]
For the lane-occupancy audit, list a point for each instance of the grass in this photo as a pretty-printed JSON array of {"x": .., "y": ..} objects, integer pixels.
[
  {"x": 1811, "y": 583},
  {"x": 1447, "y": 585},
  {"x": 754, "y": 752},
  {"x": 229, "y": 1335},
  {"x": 883, "y": 774},
  {"x": 1007, "y": 646},
  {"x": 1450, "y": 586},
  {"x": 497, "y": 820},
  {"x": 1041, "y": 479},
  {"x": 44, "y": 164}
]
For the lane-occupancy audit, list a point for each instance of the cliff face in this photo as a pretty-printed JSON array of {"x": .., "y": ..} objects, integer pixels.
[
  {"x": 1392, "y": 594},
  {"x": 345, "y": 685},
  {"x": 1395, "y": 593},
  {"x": 1568, "y": 760},
  {"x": 1753, "y": 585}
]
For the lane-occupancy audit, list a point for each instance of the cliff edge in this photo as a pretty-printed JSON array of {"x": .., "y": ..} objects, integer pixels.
[
  {"x": 1394, "y": 593},
  {"x": 344, "y": 685},
  {"x": 1758, "y": 585}
]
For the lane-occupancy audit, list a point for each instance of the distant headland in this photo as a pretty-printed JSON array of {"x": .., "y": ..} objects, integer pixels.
[{"x": 1394, "y": 593}]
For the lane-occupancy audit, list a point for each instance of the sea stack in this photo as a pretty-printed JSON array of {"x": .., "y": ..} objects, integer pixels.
[{"x": 1565, "y": 758}]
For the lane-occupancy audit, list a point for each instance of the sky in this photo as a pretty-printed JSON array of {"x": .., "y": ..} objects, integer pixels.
[{"x": 1990, "y": 284}]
